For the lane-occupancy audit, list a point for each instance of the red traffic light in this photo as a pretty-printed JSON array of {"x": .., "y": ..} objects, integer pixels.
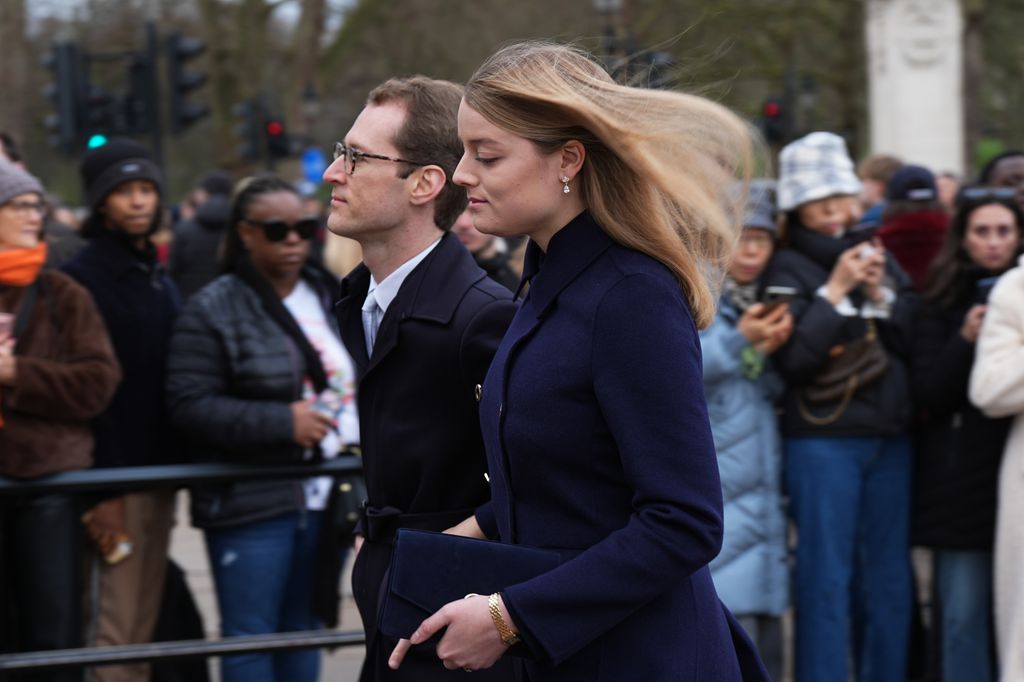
[
  {"x": 275, "y": 128},
  {"x": 771, "y": 109}
]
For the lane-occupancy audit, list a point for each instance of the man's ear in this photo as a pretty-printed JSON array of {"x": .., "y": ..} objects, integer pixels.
[
  {"x": 428, "y": 181},
  {"x": 573, "y": 154}
]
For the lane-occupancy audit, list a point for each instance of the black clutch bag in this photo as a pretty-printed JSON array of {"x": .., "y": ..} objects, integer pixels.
[{"x": 429, "y": 569}]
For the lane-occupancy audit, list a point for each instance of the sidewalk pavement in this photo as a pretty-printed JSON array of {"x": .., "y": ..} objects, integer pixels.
[{"x": 189, "y": 551}]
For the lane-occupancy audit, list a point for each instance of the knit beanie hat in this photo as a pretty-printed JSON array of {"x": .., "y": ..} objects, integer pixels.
[
  {"x": 760, "y": 211},
  {"x": 815, "y": 167},
  {"x": 115, "y": 163},
  {"x": 15, "y": 181}
]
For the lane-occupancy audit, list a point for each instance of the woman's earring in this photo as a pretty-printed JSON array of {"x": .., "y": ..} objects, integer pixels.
[{"x": 565, "y": 184}]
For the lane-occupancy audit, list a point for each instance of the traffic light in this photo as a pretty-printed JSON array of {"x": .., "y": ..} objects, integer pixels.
[
  {"x": 278, "y": 145},
  {"x": 66, "y": 93},
  {"x": 773, "y": 123},
  {"x": 139, "y": 105},
  {"x": 248, "y": 129},
  {"x": 180, "y": 81},
  {"x": 102, "y": 113}
]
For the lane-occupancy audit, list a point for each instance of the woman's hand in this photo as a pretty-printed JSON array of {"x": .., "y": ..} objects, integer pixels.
[
  {"x": 8, "y": 363},
  {"x": 104, "y": 524},
  {"x": 972, "y": 323},
  {"x": 778, "y": 332},
  {"x": 467, "y": 528},
  {"x": 860, "y": 264},
  {"x": 471, "y": 642},
  {"x": 309, "y": 426},
  {"x": 766, "y": 327}
]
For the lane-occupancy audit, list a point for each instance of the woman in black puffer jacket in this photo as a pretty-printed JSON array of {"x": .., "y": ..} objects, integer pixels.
[
  {"x": 960, "y": 449},
  {"x": 848, "y": 460},
  {"x": 257, "y": 373}
]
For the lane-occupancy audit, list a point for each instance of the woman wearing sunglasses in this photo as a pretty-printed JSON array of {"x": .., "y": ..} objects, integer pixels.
[
  {"x": 257, "y": 373},
  {"x": 960, "y": 449}
]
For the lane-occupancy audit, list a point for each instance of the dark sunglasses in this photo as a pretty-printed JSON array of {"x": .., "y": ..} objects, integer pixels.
[
  {"x": 277, "y": 230},
  {"x": 981, "y": 193}
]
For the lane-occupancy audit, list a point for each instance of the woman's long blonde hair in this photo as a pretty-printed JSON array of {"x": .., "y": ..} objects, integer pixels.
[{"x": 659, "y": 164}]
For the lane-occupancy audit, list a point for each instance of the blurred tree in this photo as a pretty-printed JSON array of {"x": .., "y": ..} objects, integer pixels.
[
  {"x": 736, "y": 51},
  {"x": 13, "y": 63}
]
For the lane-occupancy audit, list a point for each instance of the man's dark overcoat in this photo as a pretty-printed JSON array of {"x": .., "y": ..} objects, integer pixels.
[{"x": 419, "y": 423}]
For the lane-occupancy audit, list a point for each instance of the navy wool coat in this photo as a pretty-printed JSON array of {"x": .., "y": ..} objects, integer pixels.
[{"x": 599, "y": 446}]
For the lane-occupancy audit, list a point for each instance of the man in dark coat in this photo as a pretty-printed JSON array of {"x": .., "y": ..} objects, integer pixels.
[
  {"x": 422, "y": 322},
  {"x": 139, "y": 304},
  {"x": 195, "y": 251}
]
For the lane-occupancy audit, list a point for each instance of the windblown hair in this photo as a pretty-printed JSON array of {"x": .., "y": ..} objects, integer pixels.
[
  {"x": 658, "y": 165},
  {"x": 429, "y": 135},
  {"x": 246, "y": 192}
]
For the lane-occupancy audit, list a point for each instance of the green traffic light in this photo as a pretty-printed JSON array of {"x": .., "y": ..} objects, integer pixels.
[{"x": 97, "y": 140}]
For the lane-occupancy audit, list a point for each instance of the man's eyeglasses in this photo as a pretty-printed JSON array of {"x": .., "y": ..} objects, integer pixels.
[
  {"x": 277, "y": 230},
  {"x": 26, "y": 207},
  {"x": 354, "y": 155}
]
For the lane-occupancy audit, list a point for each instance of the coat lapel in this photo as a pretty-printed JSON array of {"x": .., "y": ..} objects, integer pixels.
[
  {"x": 348, "y": 311},
  {"x": 432, "y": 292}
]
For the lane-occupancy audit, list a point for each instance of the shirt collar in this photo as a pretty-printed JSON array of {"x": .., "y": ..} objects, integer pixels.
[{"x": 386, "y": 291}]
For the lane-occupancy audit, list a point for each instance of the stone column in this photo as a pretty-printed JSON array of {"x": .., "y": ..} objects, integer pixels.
[{"x": 915, "y": 79}]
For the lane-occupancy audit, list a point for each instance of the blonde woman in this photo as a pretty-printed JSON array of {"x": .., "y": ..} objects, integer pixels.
[{"x": 593, "y": 411}]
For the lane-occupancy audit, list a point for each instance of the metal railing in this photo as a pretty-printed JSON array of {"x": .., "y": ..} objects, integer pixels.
[{"x": 174, "y": 476}]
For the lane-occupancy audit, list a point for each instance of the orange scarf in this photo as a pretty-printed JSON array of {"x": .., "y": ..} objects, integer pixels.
[{"x": 20, "y": 267}]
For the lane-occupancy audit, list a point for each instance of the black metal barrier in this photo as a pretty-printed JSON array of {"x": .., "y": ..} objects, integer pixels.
[{"x": 174, "y": 476}]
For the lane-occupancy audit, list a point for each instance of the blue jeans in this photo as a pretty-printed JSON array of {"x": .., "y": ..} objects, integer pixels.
[
  {"x": 263, "y": 572},
  {"x": 850, "y": 500},
  {"x": 964, "y": 580}
]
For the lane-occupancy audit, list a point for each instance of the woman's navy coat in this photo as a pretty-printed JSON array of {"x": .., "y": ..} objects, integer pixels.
[{"x": 599, "y": 446}]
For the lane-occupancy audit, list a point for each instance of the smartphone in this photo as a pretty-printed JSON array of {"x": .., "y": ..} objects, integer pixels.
[
  {"x": 861, "y": 233},
  {"x": 776, "y": 295},
  {"x": 982, "y": 288}
]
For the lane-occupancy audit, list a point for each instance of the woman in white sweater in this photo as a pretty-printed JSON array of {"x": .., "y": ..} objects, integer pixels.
[{"x": 997, "y": 388}]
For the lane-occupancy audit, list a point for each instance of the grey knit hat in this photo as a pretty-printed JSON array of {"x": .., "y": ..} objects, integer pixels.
[
  {"x": 815, "y": 167},
  {"x": 15, "y": 181}
]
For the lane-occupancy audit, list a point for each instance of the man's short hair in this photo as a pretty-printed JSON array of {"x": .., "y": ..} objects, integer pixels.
[
  {"x": 878, "y": 167},
  {"x": 430, "y": 133}
]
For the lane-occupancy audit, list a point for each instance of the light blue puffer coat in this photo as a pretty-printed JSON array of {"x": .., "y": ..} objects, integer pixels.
[{"x": 751, "y": 572}]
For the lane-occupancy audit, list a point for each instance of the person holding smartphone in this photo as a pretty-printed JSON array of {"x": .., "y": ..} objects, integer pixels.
[
  {"x": 845, "y": 421},
  {"x": 258, "y": 373},
  {"x": 741, "y": 387},
  {"x": 960, "y": 449}
]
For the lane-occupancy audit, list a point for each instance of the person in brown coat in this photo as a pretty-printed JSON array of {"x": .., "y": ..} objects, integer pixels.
[{"x": 57, "y": 372}]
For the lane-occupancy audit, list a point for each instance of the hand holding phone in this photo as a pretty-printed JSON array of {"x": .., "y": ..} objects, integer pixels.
[{"x": 775, "y": 296}]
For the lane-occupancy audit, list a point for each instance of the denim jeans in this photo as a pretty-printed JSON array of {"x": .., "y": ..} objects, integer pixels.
[
  {"x": 964, "y": 581},
  {"x": 263, "y": 572},
  {"x": 850, "y": 500}
]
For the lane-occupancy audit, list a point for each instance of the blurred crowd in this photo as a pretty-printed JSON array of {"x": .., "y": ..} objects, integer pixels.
[{"x": 862, "y": 375}]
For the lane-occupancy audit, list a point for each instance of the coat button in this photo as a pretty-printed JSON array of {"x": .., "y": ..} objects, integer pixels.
[
  {"x": 478, "y": 391},
  {"x": 501, "y": 409},
  {"x": 487, "y": 479}
]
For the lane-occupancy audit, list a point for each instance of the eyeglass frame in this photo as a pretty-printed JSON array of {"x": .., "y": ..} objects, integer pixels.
[
  {"x": 41, "y": 208},
  {"x": 266, "y": 225},
  {"x": 341, "y": 149}
]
